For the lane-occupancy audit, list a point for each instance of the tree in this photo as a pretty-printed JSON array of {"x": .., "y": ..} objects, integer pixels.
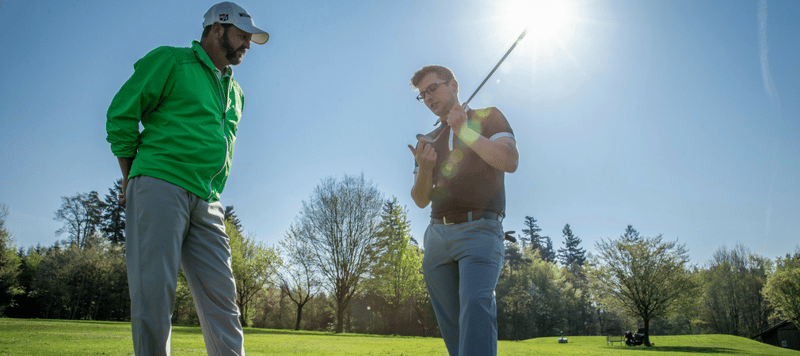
[
  {"x": 571, "y": 256},
  {"x": 112, "y": 219},
  {"x": 340, "y": 222},
  {"x": 513, "y": 299},
  {"x": 81, "y": 216},
  {"x": 24, "y": 305},
  {"x": 783, "y": 288},
  {"x": 184, "y": 311},
  {"x": 732, "y": 302},
  {"x": 299, "y": 280},
  {"x": 531, "y": 233},
  {"x": 540, "y": 243},
  {"x": 231, "y": 216},
  {"x": 397, "y": 275},
  {"x": 254, "y": 266},
  {"x": 89, "y": 283},
  {"x": 547, "y": 252},
  {"x": 9, "y": 265},
  {"x": 515, "y": 258},
  {"x": 631, "y": 235},
  {"x": 531, "y": 294},
  {"x": 642, "y": 278}
]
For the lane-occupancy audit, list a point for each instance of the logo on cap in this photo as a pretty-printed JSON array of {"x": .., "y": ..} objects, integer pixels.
[
  {"x": 223, "y": 17},
  {"x": 244, "y": 14}
]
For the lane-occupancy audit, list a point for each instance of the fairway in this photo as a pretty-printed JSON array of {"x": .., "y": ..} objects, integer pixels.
[{"x": 59, "y": 337}]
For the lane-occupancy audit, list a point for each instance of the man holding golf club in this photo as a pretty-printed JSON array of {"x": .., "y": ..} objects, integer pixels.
[
  {"x": 460, "y": 169},
  {"x": 174, "y": 171}
]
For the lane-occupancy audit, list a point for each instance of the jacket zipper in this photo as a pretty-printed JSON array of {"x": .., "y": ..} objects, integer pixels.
[{"x": 224, "y": 100}]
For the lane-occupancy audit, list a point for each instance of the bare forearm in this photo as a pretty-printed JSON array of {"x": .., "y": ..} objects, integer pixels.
[
  {"x": 421, "y": 191},
  {"x": 125, "y": 164},
  {"x": 501, "y": 154}
]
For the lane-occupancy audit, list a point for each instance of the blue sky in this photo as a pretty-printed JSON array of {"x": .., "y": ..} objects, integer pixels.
[{"x": 678, "y": 117}]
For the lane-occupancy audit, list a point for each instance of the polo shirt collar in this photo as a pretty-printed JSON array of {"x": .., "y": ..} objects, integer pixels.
[{"x": 201, "y": 53}]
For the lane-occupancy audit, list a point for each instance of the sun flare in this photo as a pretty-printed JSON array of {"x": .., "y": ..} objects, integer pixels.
[{"x": 545, "y": 20}]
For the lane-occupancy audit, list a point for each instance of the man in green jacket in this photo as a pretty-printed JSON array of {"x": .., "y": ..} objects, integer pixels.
[{"x": 173, "y": 173}]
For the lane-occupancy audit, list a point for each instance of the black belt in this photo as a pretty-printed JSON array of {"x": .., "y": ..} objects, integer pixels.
[{"x": 458, "y": 218}]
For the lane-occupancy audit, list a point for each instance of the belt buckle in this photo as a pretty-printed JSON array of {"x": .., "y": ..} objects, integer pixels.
[{"x": 444, "y": 221}]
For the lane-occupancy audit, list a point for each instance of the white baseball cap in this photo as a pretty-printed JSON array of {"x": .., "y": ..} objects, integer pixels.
[{"x": 228, "y": 12}]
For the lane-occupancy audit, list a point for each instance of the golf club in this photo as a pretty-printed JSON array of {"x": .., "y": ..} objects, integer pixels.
[
  {"x": 466, "y": 103},
  {"x": 521, "y": 36}
]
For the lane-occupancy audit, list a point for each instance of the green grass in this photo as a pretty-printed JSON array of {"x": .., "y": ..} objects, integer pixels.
[{"x": 59, "y": 337}]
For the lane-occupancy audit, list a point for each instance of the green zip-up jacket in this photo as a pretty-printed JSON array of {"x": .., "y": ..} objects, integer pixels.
[{"x": 189, "y": 119}]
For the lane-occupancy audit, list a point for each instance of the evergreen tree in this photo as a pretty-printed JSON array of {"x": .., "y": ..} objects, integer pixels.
[
  {"x": 112, "y": 220},
  {"x": 631, "y": 235},
  {"x": 579, "y": 321},
  {"x": 531, "y": 233},
  {"x": 397, "y": 276},
  {"x": 571, "y": 255},
  {"x": 547, "y": 252},
  {"x": 540, "y": 243},
  {"x": 231, "y": 216}
]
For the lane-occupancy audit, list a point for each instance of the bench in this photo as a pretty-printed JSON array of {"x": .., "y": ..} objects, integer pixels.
[{"x": 612, "y": 339}]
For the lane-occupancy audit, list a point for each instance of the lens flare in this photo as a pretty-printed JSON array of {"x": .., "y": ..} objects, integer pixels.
[
  {"x": 449, "y": 169},
  {"x": 482, "y": 113},
  {"x": 546, "y": 20},
  {"x": 456, "y": 155}
]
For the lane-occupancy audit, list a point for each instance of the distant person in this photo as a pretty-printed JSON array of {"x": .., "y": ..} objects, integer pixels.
[
  {"x": 460, "y": 169},
  {"x": 173, "y": 172}
]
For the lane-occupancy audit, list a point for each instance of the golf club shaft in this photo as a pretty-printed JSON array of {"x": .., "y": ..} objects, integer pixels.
[{"x": 521, "y": 36}]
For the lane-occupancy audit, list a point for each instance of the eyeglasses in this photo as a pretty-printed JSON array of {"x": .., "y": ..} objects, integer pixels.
[{"x": 431, "y": 89}]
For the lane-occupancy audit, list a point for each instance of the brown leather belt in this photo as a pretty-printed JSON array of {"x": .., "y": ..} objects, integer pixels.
[{"x": 458, "y": 218}]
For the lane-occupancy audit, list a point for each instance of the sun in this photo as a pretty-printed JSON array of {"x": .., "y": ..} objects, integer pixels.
[{"x": 545, "y": 20}]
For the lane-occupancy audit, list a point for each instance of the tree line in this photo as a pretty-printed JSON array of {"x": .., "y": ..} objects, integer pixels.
[{"x": 348, "y": 263}]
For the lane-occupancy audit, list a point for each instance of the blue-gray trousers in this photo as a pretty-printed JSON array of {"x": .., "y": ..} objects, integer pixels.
[
  {"x": 462, "y": 264},
  {"x": 166, "y": 228}
]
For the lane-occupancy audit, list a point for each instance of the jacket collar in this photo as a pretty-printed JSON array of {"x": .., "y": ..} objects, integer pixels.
[{"x": 201, "y": 53}]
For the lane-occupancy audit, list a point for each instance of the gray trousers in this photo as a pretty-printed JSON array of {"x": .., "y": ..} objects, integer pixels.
[
  {"x": 167, "y": 228},
  {"x": 461, "y": 265}
]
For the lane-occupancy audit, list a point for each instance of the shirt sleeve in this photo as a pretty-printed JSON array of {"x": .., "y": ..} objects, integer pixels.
[
  {"x": 139, "y": 95},
  {"x": 493, "y": 124}
]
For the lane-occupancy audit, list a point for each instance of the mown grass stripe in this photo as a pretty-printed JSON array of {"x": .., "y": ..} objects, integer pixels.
[{"x": 60, "y": 337}]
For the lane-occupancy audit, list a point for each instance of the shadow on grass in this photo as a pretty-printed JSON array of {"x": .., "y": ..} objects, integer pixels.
[
  {"x": 315, "y": 333},
  {"x": 195, "y": 329},
  {"x": 688, "y": 349}
]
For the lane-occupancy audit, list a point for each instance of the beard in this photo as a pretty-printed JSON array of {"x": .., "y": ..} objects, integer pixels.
[
  {"x": 444, "y": 107},
  {"x": 231, "y": 54}
]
